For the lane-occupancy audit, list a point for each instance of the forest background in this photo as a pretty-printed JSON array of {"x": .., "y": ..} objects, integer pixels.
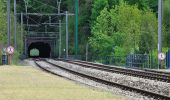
[{"x": 110, "y": 27}]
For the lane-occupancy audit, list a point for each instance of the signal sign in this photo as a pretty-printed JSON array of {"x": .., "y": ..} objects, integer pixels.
[
  {"x": 161, "y": 56},
  {"x": 10, "y": 50}
]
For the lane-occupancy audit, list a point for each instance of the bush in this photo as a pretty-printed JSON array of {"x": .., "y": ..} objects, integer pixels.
[{"x": 15, "y": 58}]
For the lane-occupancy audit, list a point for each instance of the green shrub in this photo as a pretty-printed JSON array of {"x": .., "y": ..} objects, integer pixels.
[{"x": 15, "y": 58}]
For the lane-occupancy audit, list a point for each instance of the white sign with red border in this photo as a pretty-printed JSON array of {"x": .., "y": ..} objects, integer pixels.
[
  {"x": 161, "y": 56},
  {"x": 10, "y": 50}
]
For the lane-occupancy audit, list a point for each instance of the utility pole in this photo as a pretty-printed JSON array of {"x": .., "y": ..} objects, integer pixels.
[
  {"x": 59, "y": 38},
  {"x": 76, "y": 26},
  {"x": 58, "y": 3},
  {"x": 26, "y": 9},
  {"x": 15, "y": 25},
  {"x": 66, "y": 34},
  {"x": 9, "y": 22},
  {"x": 22, "y": 28},
  {"x": 160, "y": 31}
]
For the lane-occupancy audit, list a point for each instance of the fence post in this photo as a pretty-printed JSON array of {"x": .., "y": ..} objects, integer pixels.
[{"x": 168, "y": 59}]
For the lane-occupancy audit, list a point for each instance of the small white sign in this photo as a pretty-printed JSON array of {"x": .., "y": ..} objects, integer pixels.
[
  {"x": 10, "y": 50},
  {"x": 161, "y": 56}
]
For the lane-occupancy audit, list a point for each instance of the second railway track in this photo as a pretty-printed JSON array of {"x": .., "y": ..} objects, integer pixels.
[
  {"x": 103, "y": 81},
  {"x": 153, "y": 75}
]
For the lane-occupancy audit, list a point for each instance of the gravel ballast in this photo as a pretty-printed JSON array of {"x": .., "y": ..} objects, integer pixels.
[
  {"x": 141, "y": 83},
  {"x": 116, "y": 91}
]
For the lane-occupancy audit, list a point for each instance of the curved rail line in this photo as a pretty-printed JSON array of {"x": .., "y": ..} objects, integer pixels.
[
  {"x": 123, "y": 87},
  {"x": 153, "y": 75}
]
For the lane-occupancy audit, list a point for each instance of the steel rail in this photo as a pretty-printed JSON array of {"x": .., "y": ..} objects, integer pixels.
[
  {"x": 131, "y": 72},
  {"x": 106, "y": 82},
  {"x": 146, "y": 70}
]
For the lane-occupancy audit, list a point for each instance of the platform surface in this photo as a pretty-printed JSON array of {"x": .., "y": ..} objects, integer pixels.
[{"x": 27, "y": 83}]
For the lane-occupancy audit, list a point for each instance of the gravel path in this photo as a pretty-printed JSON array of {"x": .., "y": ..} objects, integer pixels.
[{"x": 141, "y": 83}]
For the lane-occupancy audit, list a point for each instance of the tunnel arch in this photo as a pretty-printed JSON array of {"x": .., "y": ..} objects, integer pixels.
[{"x": 44, "y": 49}]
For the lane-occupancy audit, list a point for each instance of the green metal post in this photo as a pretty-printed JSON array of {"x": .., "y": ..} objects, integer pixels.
[
  {"x": 59, "y": 38},
  {"x": 76, "y": 26}
]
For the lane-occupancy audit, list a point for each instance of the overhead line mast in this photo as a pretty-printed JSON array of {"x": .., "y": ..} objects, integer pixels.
[
  {"x": 9, "y": 22},
  {"x": 76, "y": 26},
  {"x": 159, "y": 30},
  {"x": 15, "y": 25}
]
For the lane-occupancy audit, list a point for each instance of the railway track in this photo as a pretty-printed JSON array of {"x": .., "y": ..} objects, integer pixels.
[
  {"x": 103, "y": 81},
  {"x": 149, "y": 74}
]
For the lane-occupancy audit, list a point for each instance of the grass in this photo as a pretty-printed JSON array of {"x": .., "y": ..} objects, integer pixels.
[{"x": 27, "y": 83}]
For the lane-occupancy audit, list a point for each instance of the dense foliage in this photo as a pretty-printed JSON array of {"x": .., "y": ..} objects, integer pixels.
[
  {"x": 124, "y": 29},
  {"x": 111, "y": 27},
  {"x": 2, "y": 21},
  {"x": 3, "y": 32}
]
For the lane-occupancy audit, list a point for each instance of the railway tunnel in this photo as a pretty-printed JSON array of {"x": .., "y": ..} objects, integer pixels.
[
  {"x": 43, "y": 48},
  {"x": 41, "y": 34}
]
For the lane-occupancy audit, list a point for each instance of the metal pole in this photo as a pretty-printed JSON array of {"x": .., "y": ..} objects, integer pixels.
[
  {"x": 46, "y": 29},
  {"x": 159, "y": 30},
  {"x": 21, "y": 28},
  {"x": 76, "y": 26},
  {"x": 66, "y": 34},
  {"x": 26, "y": 10},
  {"x": 49, "y": 19},
  {"x": 25, "y": 46},
  {"x": 15, "y": 25},
  {"x": 59, "y": 4},
  {"x": 87, "y": 47},
  {"x": 9, "y": 22},
  {"x": 59, "y": 38}
]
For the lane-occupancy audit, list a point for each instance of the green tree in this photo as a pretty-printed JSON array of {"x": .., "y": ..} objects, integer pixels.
[
  {"x": 129, "y": 22},
  {"x": 101, "y": 42},
  {"x": 3, "y": 31},
  {"x": 126, "y": 29},
  {"x": 148, "y": 38},
  {"x": 3, "y": 25},
  {"x": 98, "y": 6},
  {"x": 144, "y": 4},
  {"x": 166, "y": 22}
]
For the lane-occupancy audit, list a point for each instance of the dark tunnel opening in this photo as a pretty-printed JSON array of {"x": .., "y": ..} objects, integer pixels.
[{"x": 44, "y": 50}]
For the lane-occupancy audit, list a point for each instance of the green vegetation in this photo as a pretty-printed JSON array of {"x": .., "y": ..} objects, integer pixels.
[
  {"x": 124, "y": 28},
  {"x": 26, "y": 83},
  {"x": 119, "y": 27},
  {"x": 110, "y": 27},
  {"x": 3, "y": 32},
  {"x": 3, "y": 24},
  {"x": 127, "y": 27},
  {"x": 166, "y": 21}
]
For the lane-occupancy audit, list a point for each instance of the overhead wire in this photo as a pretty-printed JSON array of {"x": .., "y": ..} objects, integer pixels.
[{"x": 45, "y": 4}]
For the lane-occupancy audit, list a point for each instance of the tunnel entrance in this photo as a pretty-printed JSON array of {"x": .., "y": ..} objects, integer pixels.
[{"x": 44, "y": 50}]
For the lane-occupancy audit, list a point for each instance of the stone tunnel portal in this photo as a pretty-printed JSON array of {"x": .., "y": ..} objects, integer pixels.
[{"x": 43, "y": 48}]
